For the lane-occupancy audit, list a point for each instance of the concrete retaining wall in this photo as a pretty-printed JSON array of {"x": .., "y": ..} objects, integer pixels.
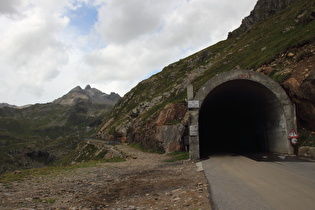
[{"x": 307, "y": 152}]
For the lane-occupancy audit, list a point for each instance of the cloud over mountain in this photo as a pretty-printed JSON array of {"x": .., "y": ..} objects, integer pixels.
[{"x": 50, "y": 46}]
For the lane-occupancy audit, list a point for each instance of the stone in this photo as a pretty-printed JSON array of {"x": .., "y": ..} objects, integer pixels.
[
  {"x": 303, "y": 95},
  {"x": 17, "y": 172},
  {"x": 199, "y": 167},
  {"x": 290, "y": 54},
  {"x": 176, "y": 199}
]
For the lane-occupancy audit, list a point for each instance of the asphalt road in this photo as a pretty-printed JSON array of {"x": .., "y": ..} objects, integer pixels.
[{"x": 238, "y": 182}]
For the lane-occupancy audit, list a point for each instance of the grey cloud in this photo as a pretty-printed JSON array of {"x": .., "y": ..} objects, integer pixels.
[
  {"x": 144, "y": 38},
  {"x": 123, "y": 21},
  {"x": 31, "y": 51},
  {"x": 8, "y": 7}
]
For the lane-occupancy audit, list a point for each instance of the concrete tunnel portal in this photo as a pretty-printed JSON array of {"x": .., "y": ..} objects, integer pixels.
[{"x": 241, "y": 112}]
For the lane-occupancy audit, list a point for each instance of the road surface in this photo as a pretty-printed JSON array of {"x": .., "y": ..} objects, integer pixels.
[{"x": 238, "y": 182}]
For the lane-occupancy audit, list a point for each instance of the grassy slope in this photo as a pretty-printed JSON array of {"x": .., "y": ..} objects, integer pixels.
[{"x": 47, "y": 127}]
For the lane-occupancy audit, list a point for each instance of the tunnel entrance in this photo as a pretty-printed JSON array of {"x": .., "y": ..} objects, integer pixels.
[
  {"x": 233, "y": 118},
  {"x": 241, "y": 112}
]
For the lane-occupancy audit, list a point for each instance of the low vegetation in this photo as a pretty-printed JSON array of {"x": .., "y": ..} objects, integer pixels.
[
  {"x": 306, "y": 138},
  {"x": 177, "y": 156},
  {"x": 51, "y": 170}
]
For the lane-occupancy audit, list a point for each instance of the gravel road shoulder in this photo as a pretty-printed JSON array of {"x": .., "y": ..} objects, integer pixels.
[{"x": 144, "y": 181}]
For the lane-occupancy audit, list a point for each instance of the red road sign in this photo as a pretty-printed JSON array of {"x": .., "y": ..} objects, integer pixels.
[
  {"x": 293, "y": 134},
  {"x": 294, "y": 141}
]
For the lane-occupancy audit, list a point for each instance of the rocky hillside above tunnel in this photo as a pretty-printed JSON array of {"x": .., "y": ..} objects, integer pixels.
[{"x": 277, "y": 40}]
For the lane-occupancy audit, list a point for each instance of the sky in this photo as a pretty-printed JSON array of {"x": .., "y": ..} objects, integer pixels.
[{"x": 48, "y": 47}]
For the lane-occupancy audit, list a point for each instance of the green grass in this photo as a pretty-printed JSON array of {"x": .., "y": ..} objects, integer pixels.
[
  {"x": 100, "y": 156},
  {"x": 279, "y": 77},
  {"x": 177, "y": 156},
  {"x": 115, "y": 160}
]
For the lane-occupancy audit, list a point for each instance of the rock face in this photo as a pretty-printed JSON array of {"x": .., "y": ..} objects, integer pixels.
[
  {"x": 262, "y": 11},
  {"x": 165, "y": 130},
  {"x": 297, "y": 65},
  {"x": 303, "y": 95},
  {"x": 88, "y": 94}
]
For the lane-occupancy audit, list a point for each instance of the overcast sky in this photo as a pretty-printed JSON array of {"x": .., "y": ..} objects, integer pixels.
[{"x": 48, "y": 47}]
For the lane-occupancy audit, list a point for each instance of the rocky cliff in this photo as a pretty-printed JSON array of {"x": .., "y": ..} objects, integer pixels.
[
  {"x": 277, "y": 39},
  {"x": 262, "y": 11}
]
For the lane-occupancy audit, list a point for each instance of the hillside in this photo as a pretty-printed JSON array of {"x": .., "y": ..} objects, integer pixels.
[
  {"x": 43, "y": 134},
  {"x": 276, "y": 39}
]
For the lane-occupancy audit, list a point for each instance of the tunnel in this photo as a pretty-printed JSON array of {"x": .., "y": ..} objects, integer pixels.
[
  {"x": 233, "y": 118},
  {"x": 243, "y": 115}
]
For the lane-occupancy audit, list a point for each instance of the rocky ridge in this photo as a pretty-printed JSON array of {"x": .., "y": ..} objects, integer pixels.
[
  {"x": 262, "y": 11},
  {"x": 87, "y": 94},
  {"x": 7, "y": 105}
]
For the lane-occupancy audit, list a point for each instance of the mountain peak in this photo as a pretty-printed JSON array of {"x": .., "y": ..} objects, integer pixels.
[
  {"x": 93, "y": 95},
  {"x": 77, "y": 88}
]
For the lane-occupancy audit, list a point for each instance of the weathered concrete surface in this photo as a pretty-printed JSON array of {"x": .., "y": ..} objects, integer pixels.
[
  {"x": 238, "y": 182},
  {"x": 307, "y": 152}
]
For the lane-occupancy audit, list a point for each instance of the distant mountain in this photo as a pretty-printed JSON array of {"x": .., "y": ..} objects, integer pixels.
[
  {"x": 7, "y": 105},
  {"x": 42, "y": 134},
  {"x": 93, "y": 95}
]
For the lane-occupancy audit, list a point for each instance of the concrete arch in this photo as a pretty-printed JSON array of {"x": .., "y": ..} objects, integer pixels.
[{"x": 241, "y": 111}]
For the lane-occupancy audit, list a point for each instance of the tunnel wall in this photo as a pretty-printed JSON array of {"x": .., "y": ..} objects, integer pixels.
[{"x": 278, "y": 127}]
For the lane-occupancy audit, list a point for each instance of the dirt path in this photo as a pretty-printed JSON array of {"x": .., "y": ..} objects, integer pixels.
[{"x": 144, "y": 181}]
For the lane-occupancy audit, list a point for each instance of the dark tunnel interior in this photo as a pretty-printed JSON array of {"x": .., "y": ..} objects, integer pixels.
[{"x": 233, "y": 118}]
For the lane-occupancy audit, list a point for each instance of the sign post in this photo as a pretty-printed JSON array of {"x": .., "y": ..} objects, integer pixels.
[
  {"x": 293, "y": 136},
  {"x": 193, "y": 104}
]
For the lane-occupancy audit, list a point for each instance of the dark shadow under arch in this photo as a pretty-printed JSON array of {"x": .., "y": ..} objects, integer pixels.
[{"x": 235, "y": 117}]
